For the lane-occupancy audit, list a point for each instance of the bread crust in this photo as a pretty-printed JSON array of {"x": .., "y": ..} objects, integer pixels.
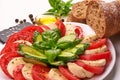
[{"x": 110, "y": 13}]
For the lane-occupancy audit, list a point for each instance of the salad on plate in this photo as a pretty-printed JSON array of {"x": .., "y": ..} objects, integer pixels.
[{"x": 57, "y": 51}]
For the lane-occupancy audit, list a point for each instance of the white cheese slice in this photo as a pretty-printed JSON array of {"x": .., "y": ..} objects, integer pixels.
[
  {"x": 54, "y": 74},
  {"x": 13, "y": 63},
  {"x": 70, "y": 29},
  {"x": 79, "y": 71},
  {"x": 100, "y": 62},
  {"x": 26, "y": 71},
  {"x": 97, "y": 50},
  {"x": 89, "y": 39}
]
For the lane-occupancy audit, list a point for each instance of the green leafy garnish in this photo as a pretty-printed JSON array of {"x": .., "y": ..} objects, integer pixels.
[{"x": 59, "y": 8}]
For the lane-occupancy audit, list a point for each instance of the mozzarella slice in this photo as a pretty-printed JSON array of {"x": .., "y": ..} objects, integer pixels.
[
  {"x": 97, "y": 50},
  {"x": 79, "y": 71},
  {"x": 26, "y": 71},
  {"x": 100, "y": 62},
  {"x": 54, "y": 74},
  {"x": 89, "y": 39},
  {"x": 70, "y": 29},
  {"x": 13, "y": 63}
]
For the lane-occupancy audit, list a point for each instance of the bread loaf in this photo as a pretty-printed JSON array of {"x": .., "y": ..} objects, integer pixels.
[
  {"x": 104, "y": 17},
  {"x": 78, "y": 12}
]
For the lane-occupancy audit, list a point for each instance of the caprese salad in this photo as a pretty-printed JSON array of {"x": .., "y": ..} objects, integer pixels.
[{"x": 54, "y": 52}]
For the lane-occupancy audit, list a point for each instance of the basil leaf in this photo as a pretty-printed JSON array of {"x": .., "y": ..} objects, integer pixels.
[{"x": 51, "y": 35}]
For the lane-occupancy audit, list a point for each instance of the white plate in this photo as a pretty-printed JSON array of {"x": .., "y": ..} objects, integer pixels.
[{"x": 87, "y": 31}]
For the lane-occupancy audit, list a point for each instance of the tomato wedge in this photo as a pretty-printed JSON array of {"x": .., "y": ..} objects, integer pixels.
[
  {"x": 98, "y": 43},
  {"x": 105, "y": 55},
  {"x": 40, "y": 72},
  {"x": 93, "y": 69},
  {"x": 5, "y": 60},
  {"x": 17, "y": 72},
  {"x": 61, "y": 26},
  {"x": 79, "y": 32},
  {"x": 67, "y": 74}
]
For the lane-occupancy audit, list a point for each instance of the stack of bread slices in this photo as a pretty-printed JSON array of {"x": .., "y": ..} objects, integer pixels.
[{"x": 102, "y": 15}]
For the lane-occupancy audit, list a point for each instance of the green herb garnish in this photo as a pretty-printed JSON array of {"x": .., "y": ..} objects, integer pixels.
[{"x": 59, "y": 8}]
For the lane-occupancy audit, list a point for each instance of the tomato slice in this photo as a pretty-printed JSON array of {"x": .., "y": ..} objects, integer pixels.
[
  {"x": 105, "y": 55},
  {"x": 5, "y": 60},
  {"x": 32, "y": 29},
  {"x": 17, "y": 72},
  {"x": 67, "y": 74},
  {"x": 20, "y": 36},
  {"x": 93, "y": 69},
  {"x": 79, "y": 32},
  {"x": 10, "y": 48},
  {"x": 40, "y": 72},
  {"x": 61, "y": 26},
  {"x": 98, "y": 43}
]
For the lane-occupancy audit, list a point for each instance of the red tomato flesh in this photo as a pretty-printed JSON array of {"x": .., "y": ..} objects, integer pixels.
[
  {"x": 98, "y": 43},
  {"x": 17, "y": 72},
  {"x": 93, "y": 69},
  {"x": 79, "y": 32},
  {"x": 40, "y": 72},
  {"x": 20, "y": 36},
  {"x": 32, "y": 29},
  {"x": 10, "y": 48},
  {"x": 61, "y": 26},
  {"x": 67, "y": 74},
  {"x": 105, "y": 55}
]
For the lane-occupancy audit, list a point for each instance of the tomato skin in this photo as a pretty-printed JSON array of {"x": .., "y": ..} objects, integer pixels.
[
  {"x": 98, "y": 43},
  {"x": 79, "y": 32},
  {"x": 40, "y": 72},
  {"x": 93, "y": 69},
  {"x": 5, "y": 60},
  {"x": 67, "y": 74},
  {"x": 105, "y": 55},
  {"x": 61, "y": 26},
  {"x": 17, "y": 72}
]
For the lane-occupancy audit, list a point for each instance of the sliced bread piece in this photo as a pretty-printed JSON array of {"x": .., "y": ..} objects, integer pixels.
[
  {"x": 78, "y": 12},
  {"x": 104, "y": 17}
]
